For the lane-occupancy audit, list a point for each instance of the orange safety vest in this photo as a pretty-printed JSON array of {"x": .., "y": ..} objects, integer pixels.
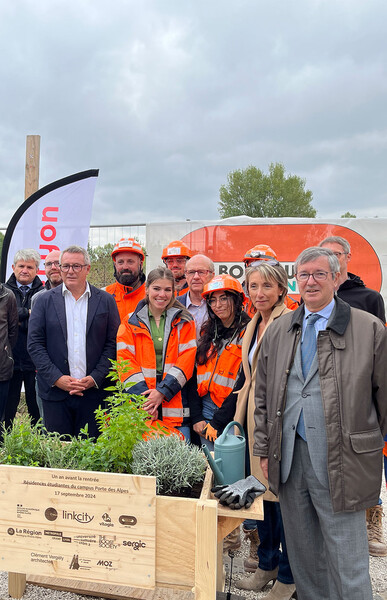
[
  {"x": 183, "y": 291},
  {"x": 134, "y": 343},
  {"x": 218, "y": 375},
  {"x": 126, "y": 300}
]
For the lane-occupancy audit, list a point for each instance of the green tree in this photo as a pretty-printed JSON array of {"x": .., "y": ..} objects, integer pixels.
[
  {"x": 256, "y": 194},
  {"x": 348, "y": 215},
  {"x": 101, "y": 271}
]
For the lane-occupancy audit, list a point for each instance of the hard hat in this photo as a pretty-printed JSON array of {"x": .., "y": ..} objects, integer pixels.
[
  {"x": 223, "y": 283},
  {"x": 259, "y": 252},
  {"x": 176, "y": 248},
  {"x": 128, "y": 245}
]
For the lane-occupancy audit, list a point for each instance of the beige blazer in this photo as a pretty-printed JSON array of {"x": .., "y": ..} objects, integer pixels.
[{"x": 245, "y": 403}]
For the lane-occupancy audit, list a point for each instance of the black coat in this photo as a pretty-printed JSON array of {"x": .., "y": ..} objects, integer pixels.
[
  {"x": 22, "y": 360},
  {"x": 8, "y": 331}
]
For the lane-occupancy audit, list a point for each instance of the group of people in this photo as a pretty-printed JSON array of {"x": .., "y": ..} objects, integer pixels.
[{"x": 307, "y": 382}]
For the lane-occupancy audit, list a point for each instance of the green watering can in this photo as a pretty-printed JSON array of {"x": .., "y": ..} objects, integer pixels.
[{"x": 228, "y": 464}]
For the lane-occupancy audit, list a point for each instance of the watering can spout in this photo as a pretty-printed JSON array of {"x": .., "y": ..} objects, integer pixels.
[{"x": 215, "y": 469}]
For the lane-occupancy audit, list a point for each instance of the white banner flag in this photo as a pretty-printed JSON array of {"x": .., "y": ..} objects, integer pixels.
[{"x": 53, "y": 218}]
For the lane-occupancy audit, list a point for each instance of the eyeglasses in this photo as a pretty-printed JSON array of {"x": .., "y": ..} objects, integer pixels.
[
  {"x": 76, "y": 268},
  {"x": 317, "y": 276},
  {"x": 221, "y": 299},
  {"x": 200, "y": 272},
  {"x": 338, "y": 254},
  {"x": 179, "y": 261},
  {"x": 49, "y": 264}
]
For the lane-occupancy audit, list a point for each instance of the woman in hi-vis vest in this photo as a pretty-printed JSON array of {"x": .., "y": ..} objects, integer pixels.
[{"x": 159, "y": 341}]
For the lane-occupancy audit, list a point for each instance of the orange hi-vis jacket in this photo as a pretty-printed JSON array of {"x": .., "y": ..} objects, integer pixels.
[
  {"x": 218, "y": 375},
  {"x": 134, "y": 343},
  {"x": 126, "y": 298}
]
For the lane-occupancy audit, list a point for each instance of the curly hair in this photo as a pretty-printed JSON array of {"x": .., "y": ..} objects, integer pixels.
[{"x": 213, "y": 333}]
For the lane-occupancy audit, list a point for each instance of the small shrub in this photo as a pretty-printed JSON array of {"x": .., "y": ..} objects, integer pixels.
[{"x": 175, "y": 464}]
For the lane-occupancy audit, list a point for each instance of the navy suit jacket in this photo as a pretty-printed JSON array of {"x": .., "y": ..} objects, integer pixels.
[{"x": 47, "y": 340}]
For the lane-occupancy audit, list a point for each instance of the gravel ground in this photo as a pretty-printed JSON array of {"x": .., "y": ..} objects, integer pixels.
[{"x": 378, "y": 570}]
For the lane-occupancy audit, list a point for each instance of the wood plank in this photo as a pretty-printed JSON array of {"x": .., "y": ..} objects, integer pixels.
[
  {"x": 32, "y": 165},
  {"x": 206, "y": 550},
  {"x": 16, "y": 584},
  {"x": 114, "y": 592}
]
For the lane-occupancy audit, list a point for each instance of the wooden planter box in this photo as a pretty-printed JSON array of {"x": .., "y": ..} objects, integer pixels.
[{"x": 109, "y": 535}]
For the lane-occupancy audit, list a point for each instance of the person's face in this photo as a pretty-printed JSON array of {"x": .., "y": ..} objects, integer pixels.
[
  {"x": 51, "y": 267},
  {"x": 223, "y": 307},
  {"x": 74, "y": 280},
  {"x": 197, "y": 274},
  {"x": 128, "y": 267},
  {"x": 343, "y": 258},
  {"x": 159, "y": 295},
  {"x": 317, "y": 294},
  {"x": 176, "y": 264},
  {"x": 25, "y": 271},
  {"x": 264, "y": 294}
]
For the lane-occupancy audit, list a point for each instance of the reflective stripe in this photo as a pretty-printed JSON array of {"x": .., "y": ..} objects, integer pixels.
[
  {"x": 224, "y": 381},
  {"x": 148, "y": 372},
  {"x": 179, "y": 375},
  {"x": 134, "y": 378},
  {"x": 175, "y": 412},
  {"x": 204, "y": 376},
  {"x": 123, "y": 346},
  {"x": 187, "y": 346}
]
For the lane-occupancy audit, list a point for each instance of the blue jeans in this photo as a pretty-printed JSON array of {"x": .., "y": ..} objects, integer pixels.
[
  {"x": 185, "y": 430},
  {"x": 271, "y": 535}
]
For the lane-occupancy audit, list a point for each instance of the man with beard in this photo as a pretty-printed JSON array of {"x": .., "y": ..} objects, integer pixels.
[{"x": 129, "y": 289}]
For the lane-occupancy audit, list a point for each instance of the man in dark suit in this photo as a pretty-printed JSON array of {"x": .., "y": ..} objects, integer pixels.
[{"x": 72, "y": 336}]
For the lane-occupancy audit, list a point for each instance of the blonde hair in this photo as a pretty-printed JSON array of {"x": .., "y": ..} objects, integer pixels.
[{"x": 270, "y": 273}]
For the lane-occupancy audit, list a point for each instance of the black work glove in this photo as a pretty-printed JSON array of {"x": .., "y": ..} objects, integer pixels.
[{"x": 240, "y": 494}]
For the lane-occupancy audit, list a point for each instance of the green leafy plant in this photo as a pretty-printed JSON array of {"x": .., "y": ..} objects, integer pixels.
[{"x": 175, "y": 464}]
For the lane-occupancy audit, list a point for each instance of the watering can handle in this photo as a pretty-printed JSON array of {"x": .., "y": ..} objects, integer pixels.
[{"x": 226, "y": 429}]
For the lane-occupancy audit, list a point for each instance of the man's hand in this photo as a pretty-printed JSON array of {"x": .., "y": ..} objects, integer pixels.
[
  {"x": 155, "y": 398},
  {"x": 87, "y": 382},
  {"x": 264, "y": 462},
  {"x": 199, "y": 427},
  {"x": 70, "y": 384}
]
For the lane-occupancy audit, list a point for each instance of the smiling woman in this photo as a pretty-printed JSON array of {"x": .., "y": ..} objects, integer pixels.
[{"x": 159, "y": 340}]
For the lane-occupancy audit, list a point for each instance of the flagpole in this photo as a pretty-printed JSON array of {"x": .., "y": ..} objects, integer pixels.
[{"x": 32, "y": 165}]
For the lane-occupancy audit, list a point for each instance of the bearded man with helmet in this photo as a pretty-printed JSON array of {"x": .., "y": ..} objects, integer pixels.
[
  {"x": 128, "y": 258},
  {"x": 175, "y": 257}
]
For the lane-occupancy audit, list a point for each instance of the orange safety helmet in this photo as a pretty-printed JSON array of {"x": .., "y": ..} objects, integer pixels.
[
  {"x": 176, "y": 248},
  {"x": 259, "y": 252},
  {"x": 128, "y": 245},
  {"x": 223, "y": 283}
]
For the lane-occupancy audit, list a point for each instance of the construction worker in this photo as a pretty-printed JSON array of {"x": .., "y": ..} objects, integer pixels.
[
  {"x": 256, "y": 254},
  {"x": 159, "y": 340},
  {"x": 219, "y": 353},
  {"x": 129, "y": 289},
  {"x": 175, "y": 256}
]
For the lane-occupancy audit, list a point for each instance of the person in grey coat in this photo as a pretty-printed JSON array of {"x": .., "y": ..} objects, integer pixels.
[{"x": 8, "y": 335}]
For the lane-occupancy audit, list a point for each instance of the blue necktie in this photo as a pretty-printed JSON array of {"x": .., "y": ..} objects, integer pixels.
[
  {"x": 308, "y": 350},
  {"x": 24, "y": 289}
]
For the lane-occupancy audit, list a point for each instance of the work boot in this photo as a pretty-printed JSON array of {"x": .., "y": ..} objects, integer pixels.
[
  {"x": 251, "y": 563},
  {"x": 281, "y": 591},
  {"x": 232, "y": 541},
  {"x": 257, "y": 581},
  {"x": 376, "y": 543}
]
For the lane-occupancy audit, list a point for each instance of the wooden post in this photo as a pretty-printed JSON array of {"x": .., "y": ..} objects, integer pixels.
[
  {"x": 16, "y": 584},
  {"x": 206, "y": 550},
  {"x": 32, "y": 165}
]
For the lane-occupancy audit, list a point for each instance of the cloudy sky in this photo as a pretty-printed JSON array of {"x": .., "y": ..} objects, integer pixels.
[{"x": 167, "y": 97}]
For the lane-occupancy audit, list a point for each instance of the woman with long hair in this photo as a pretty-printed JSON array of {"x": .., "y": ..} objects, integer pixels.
[
  {"x": 159, "y": 341},
  {"x": 266, "y": 284},
  {"x": 219, "y": 351}
]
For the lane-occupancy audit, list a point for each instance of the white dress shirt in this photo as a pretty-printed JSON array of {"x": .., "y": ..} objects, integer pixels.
[{"x": 76, "y": 318}]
